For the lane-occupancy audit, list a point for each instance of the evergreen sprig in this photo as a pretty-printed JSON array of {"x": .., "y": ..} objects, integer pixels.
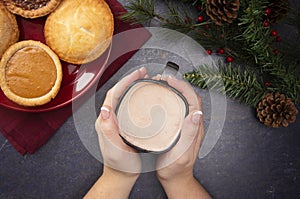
[
  {"x": 246, "y": 39},
  {"x": 140, "y": 11},
  {"x": 253, "y": 34},
  {"x": 235, "y": 82}
]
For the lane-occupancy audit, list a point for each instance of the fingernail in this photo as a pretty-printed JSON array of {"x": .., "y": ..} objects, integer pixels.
[
  {"x": 142, "y": 69},
  {"x": 104, "y": 113},
  {"x": 157, "y": 77},
  {"x": 196, "y": 117}
]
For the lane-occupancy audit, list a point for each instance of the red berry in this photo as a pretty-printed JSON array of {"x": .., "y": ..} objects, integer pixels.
[
  {"x": 267, "y": 83},
  {"x": 229, "y": 59},
  {"x": 266, "y": 24},
  {"x": 208, "y": 51},
  {"x": 274, "y": 33},
  {"x": 278, "y": 39},
  {"x": 199, "y": 8},
  {"x": 267, "y": 11},
  {"x": 221, "y": 51},
  {"x": 207, "y": 26},
  {"x": 200, "y": 18},
  {"x": 276, "y": 51}
]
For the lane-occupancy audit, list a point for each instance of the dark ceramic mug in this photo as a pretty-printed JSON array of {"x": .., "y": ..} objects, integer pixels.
[{"x": 150, "y": 113}]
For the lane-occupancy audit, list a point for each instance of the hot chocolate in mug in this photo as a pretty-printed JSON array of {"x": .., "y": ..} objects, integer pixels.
[{"x": 150, "y": 113}]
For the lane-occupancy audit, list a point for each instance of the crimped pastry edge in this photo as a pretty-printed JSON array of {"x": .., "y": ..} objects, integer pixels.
[
  {"x": 30, "y": 101},
  {"x": 94, "y": 54},
  {"x": 43, "y": 11},
  {"x": 14, "y": 36}
]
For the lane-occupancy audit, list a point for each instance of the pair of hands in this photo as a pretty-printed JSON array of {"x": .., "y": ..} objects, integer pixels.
[{"x": 123, "y": 163}]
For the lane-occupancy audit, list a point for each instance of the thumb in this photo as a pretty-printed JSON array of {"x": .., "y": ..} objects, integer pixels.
[
  {"x": 190, "y": 127},
  {"x": 191, "y": 136},
  {"x": 105, "y": 123},
  {"x": 116, "y": 154},
  {"x": 107, "y": 128},
  {"x": 187, "y": 145}
]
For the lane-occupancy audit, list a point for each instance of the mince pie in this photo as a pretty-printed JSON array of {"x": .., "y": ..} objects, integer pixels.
[
  {"x": 9, "y": 31},
  {"x": 31, "y": 8},
  {"x": 79, "y": 31}
]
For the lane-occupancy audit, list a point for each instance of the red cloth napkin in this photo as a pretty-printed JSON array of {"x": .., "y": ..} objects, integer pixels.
[{"x": 27, "y": 132}]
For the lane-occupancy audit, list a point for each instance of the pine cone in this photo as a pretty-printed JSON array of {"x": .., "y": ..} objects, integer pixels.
[
  {"x": 222, "y": 11},
  {"x": 279, "y": 9},
  {"x": 275, "y": 110}
]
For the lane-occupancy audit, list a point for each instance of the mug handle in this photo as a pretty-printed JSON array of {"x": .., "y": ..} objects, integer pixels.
[{"x": 170, "y": 69}]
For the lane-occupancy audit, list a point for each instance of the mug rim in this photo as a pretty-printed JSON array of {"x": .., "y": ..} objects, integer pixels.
[{"x": 166, "y": 85}]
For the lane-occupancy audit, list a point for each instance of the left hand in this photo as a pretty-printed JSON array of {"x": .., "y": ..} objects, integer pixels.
[
  {"x": 122, "y": 165},
  {"x": 116, "y": 154}
]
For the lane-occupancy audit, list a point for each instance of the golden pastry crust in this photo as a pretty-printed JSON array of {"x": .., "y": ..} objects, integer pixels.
[
  {"x": 25, "y": 67},
  {"x": 9, "y": 30},
  {"x": 33, "y": 8},
  {"x": 79, "y": 31}
]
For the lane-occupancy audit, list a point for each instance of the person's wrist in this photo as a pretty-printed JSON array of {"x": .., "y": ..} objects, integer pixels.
[
  {"x": 110, "y": 181},
  {"x": 178, "y": 186},
  {"x": 173, "y": 173},
  {"x": 122, "y": 177},
  {"x": 182, "y": 178}
]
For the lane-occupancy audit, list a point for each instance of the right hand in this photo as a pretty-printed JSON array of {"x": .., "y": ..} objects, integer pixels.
[{"x": 178, "y": 163}]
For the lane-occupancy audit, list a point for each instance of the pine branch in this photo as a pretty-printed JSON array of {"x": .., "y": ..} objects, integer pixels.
[
  {"x": 254, "y": 35},
  {"x": 284, "y": 79},
  {"x": 139, "y": 11},
  {"x": 230, "y": 80},
  {"x": 246, "y": 39}
]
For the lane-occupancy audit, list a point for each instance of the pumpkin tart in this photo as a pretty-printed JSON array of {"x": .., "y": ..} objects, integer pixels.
[
  {"x": 9, "y": 31},
  {"x": 30, "y": 73},
  {"x": 31, "y": 8},
  {"x": 79, "y": 31}
]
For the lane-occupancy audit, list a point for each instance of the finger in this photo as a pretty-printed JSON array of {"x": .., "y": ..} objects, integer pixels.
[
  {"x": 189, "y": 143},
  {"x": 186, "y": 90},
  {"x": 190, "y": 129},
  {"x": 157, "y": 77},
  {"x": 116, "y": 154},
  {"x": 114, "y": 94},
  {"x": 186, "y": 149},
  {"x": 201, "y": 127},
  {"x": 198, "y": 116},
  {"x": 107, "y": 128},
  {"x": 126, "y": 81}
]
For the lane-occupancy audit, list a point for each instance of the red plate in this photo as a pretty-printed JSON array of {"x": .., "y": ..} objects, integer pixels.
[{"x": 77, "y": 79}]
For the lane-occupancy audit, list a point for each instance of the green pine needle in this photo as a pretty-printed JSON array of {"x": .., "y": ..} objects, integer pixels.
[
  {"x": 140, "y": 11},
  {"x": 230, "y": 80},
  {"x": 246, "y": 39}
]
